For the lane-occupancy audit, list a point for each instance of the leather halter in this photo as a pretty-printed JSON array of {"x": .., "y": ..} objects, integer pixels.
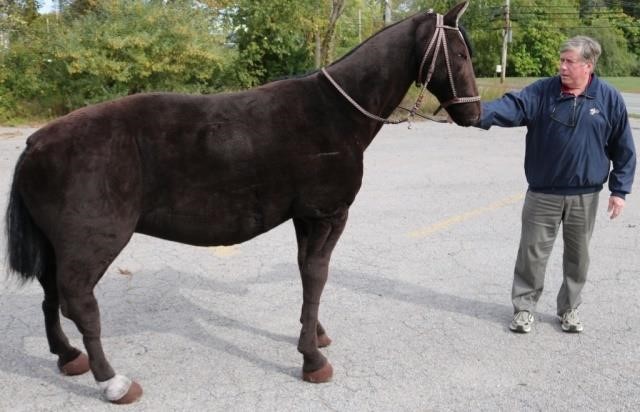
[{"x": 438, "y": 41}]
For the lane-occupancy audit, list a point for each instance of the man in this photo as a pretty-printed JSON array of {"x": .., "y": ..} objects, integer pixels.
[{"x": 577, "y": 130}]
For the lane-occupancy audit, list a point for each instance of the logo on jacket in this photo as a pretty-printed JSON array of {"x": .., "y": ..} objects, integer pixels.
[{"x": 594, "y": 111}]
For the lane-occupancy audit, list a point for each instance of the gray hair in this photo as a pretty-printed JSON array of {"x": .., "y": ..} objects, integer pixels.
[{"x": 588, "y": 48}]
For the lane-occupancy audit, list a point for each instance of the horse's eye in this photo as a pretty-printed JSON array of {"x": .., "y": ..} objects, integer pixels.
[{"x": 462, "y": 55}]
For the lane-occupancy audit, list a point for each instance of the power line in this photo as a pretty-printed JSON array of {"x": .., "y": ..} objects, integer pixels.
[
  {"x": 564, "y": 13},
  {"x": 553, "y": 13},
  {"x": 564, "y": 27},
  {"x": 551, "y": 6}
]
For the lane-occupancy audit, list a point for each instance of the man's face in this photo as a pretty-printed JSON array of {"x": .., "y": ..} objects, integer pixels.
[{"x": 574, "y": 71}]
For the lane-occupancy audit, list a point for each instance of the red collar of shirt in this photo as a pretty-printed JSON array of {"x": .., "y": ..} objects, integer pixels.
[{"x": 564, "y": 90}]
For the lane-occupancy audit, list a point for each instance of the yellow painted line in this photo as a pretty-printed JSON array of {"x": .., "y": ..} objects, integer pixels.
[
  {"x": 443, "y": 224},
  {"x": 225, "y": 251}
]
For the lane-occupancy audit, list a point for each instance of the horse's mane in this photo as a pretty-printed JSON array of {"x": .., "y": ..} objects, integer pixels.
[
  {"x": 309, "y": 73},
  {"x": 467, "y": 40},
  {"x": 376, "y": 33},
  {"x": 463, "y": 31}
]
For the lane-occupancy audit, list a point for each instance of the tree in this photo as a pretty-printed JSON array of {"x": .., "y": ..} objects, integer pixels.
[
  {"x": 615, "y": 59},
  {"x": 535, "y": 50},
  {"x": 326, "y": 43},
  {"x": 270, "y": 41},
  {"x": 617, "y": 32},
  {"x": 15, "y": 17},
  {"x": 77, "y": 8},
  {"x": 100, "y": 49},
  {"x": 360, "y": 19},
  {"x": 120, "y": 48}
]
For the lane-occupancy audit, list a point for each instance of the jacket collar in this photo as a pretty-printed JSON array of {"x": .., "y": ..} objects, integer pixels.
[
  {"x": 592, "y": 87},
  {"x": 591, "y": 90}
]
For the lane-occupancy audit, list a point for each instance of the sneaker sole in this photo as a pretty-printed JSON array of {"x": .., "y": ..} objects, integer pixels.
[
  {"x": 572, "y": 329},
  {"x": 520, "y": 329}
]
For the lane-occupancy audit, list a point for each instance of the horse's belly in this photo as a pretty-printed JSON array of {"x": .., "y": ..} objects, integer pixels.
[{"x": 206, "y": 229}]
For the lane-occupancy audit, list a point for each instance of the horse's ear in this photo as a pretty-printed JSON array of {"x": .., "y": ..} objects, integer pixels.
[{"x": 453, "y": 15}]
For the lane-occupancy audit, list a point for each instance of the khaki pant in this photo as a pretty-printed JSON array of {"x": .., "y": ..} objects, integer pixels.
[{"x": 541, "y": 218}]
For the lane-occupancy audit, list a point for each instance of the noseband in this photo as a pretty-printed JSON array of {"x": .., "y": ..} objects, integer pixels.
[{"x": 438, "y": 41}]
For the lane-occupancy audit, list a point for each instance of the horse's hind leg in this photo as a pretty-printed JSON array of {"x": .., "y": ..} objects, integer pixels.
[
  {"x": 317, "y": 238},
  {"x": 80, "y": 267},
  {"x": 71, "y": 361}
]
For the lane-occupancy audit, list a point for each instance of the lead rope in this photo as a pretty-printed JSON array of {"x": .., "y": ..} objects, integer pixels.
[
  {"x": 355, "y": 104},
  {"x": 435, "y": 39}
]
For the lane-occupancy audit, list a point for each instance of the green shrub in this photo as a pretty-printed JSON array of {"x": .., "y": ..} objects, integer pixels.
[{"x": 119, "y": 47}]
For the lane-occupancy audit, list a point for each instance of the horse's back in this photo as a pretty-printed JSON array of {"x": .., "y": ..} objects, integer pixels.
[
  {"x": 211, "y": 169},
  {"x": 242, "y": 167}
]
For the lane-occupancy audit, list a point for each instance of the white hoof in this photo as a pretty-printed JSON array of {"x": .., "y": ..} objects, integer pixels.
[{"x": 115, "y": 388}]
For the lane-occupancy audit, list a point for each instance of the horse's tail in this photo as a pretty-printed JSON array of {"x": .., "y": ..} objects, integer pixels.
[{"x": 27, "y": 247}]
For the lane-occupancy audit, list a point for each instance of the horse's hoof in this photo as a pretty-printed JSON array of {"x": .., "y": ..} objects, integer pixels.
[
  {"x": 323, "y": 341},
  {"x": 78, "y": 366},
  {"x": 322, "y": 375},
  {"x": 133, "y": 394}
]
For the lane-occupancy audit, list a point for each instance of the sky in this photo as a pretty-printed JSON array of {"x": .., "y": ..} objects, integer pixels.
[{"x": 47, "y": 6}]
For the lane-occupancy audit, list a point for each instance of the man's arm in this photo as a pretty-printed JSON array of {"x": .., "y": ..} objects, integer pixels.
[
  {"x": 513, "y": 109},
  {"x": 622, "y": 153}
]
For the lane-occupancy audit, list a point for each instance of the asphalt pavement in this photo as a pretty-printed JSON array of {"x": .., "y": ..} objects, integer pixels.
[
  {"x": 632, "y": 101},
  {"x": 417, "y": 303}
]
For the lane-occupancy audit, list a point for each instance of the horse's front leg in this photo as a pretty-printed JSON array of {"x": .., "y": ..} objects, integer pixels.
[
  {"x": 322, "y": 338},
  {"x": 302, "y": 237},
  {"x": 316, "y": 240}
]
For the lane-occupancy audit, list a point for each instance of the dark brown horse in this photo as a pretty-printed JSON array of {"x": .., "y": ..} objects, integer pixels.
[{"x": 217, "y": 170}]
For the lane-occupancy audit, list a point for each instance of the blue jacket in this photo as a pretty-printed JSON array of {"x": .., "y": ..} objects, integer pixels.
[{"x": 571, "y": 141}]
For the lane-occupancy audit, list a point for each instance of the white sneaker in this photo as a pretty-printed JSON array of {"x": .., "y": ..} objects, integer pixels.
[
  {"x": 522, "y": 322},
  {"x": 570, "y": 321}
]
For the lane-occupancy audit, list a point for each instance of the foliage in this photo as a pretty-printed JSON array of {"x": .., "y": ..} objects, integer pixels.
[
  {"x": 615, "y": 59},
  {"x": 118, "y": 48},
  {"x": 16, "y": 16},
  {"x": 538, "y": 27},
  {"x": 361, "y": 18},
  {"x": 536, "y": 51},
  {"x": 620, "y": 43},
  {"x": 21, "y": 68},
  {"x": 99, "y": 49},
  {"x": 270, "y": 42}
]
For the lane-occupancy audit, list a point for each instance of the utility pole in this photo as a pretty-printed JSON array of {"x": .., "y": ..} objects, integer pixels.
[
  {"x": 359, "y": 25},
  {"x": 505, "y": 40},
  {"x": 387, "y": 12}
]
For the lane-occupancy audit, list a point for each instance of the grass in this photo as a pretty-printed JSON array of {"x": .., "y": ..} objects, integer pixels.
[
  {"x": 491, "y": 88},
  {"x": 623, "y": 84}
]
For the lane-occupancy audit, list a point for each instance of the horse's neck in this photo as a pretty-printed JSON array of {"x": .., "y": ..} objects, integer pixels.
[{"x": 378, "y": 74}]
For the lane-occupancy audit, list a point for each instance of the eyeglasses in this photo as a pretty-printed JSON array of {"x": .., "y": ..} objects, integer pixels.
[{"x": 570, "y": 62}]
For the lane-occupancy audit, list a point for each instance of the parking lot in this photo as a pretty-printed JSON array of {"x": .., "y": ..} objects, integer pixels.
[{"x": 417, "y": 302}]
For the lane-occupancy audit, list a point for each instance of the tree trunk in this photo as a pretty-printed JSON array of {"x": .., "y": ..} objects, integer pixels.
[
  {"x": 326, "y": 46},
  {"x": 318, "y": 50},
  {"x": 387, "y": 12}
]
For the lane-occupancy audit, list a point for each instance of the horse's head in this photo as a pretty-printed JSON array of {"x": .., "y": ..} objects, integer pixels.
[{"x": 445, "y": 66}]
